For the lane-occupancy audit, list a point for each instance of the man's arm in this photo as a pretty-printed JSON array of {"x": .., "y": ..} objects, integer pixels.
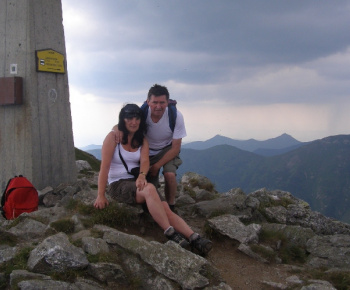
[
  {"x": 117, "y": 134},
  {"x": 170, "y": 155}
]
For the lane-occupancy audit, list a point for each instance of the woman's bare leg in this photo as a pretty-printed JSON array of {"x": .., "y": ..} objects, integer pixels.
[
  {"x": 150, "y": 196},
  {"x": 177, "y": 222}
]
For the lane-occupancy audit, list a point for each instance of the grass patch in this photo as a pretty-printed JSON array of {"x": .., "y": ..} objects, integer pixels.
[
  {"x": 288, "y": 252},
  {"x": 340, "y": 280},
  {"x": 266, "y": 253},
  {"x": 111, "y": 257},
  {"x": 271, "y": 202},
  {"x": 7, "y": 238},
  {"x": 113, "y": 215},
  {"x": 19, "y": 262},
  {"x": 69, "y": 276},
  {"x": 64, "y": 225},
  {"x": 272, "y": 237},
  {"x": 207, "y": 186},
  {"x": 190, "y": 191},
  {"x": 291, "y": 253},
  {"x": 217, "y": 213}
]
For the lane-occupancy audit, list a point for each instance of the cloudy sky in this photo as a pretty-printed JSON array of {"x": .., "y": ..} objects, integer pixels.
[{"x": 241, "y": 69}]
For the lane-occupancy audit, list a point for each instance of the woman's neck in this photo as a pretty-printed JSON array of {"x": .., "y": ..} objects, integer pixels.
[{"x": 128, "y": 146}]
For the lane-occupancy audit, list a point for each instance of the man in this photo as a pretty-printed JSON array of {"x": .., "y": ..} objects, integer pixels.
[{"x": 164, "y": 143}]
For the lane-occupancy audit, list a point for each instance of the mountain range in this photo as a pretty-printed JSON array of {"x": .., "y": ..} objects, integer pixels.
[
  {"x": 269, "y": 147},
  {"x": 317, "y": 171}
]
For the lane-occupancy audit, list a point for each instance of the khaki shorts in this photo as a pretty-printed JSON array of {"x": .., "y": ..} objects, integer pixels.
[{"x": 171, "y": 166}]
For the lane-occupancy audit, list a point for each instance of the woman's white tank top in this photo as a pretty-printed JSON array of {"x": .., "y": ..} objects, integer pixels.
[{"x": 117, "y": 170}]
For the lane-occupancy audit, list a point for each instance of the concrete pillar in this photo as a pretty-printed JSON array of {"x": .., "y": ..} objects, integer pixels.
[{"x": 36, "y": 138}]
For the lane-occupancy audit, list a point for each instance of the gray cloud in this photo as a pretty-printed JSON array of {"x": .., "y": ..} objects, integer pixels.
[{"x": 241, "y": 53}]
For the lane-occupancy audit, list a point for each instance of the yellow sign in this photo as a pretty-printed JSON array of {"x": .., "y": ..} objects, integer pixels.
[{"x": 50, "y": 61}]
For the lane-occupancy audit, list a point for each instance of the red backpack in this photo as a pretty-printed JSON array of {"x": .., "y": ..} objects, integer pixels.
[{"x": 19, "y": 196}]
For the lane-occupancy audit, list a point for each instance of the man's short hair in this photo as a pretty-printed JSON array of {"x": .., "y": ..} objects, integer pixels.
[{"x": 158, "y": 90}]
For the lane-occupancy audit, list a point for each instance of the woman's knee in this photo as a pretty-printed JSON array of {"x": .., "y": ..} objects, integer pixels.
[{"x": 150, "y": 191}]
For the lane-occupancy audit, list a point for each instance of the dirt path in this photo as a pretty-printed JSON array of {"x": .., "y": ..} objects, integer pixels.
[
  {"x": 242, "y": 272},
  {"x": 237, "y": 269}
]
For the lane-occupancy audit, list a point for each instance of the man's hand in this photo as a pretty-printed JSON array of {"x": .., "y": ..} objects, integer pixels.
[
  {"x": 154, "y": 170},
  {"x": 118, "y": 135},
  {"x": 101, "y": 202}
]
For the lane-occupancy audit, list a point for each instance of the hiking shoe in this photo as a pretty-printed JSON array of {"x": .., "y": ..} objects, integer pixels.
[
  {"x": 173, "y": 235},
  {"x": 203, "y": 246}
]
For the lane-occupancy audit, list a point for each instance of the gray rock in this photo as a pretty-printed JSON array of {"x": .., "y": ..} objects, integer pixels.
[
  {"x": 45, "y": 284},
  {"x": 184, "y": 199},
  {"x": 277, "y": 214},
  {"x": 168, "y": 259},
  {"x": 94, "y": 246},
  {"x": 107, "y": 273},
  {"x": 29, "y": 229},
  {"x": 50, "y": 215},
  {"x": 231, "y": 226},
  {"x": 318, "y": 285},
  {"x": 231, "y": 204},
  {"x": 58, "y": 254},
  {"x": 82, "y": 165},
  {"x": 203, "y": 194},
  {"x": 249, "y": 252},
  {"x": 329, "y": 251},
  {"x": 22, "y": 275},
  {"x": 7, "y": 253}
]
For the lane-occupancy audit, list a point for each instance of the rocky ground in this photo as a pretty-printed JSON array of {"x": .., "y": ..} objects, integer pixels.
[{"x": 233, "y": 221}]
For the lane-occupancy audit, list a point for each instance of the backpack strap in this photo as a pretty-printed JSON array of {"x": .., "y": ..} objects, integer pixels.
[
  {"x": 3, "y": 198},
  {"x": 172, "y": 112}
]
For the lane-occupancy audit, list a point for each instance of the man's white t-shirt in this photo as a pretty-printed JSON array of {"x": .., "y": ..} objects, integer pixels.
[{"x": 159, "y": 135}]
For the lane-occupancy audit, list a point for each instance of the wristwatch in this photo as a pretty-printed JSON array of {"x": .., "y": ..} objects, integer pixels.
[{"x": 144, "y": 173}]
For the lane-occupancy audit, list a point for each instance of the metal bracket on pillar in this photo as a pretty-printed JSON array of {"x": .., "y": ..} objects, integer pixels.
[{"x": 11, "y": 91}]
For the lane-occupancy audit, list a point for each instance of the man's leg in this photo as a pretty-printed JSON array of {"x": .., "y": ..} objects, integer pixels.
[{"x": 170, "y": 187}]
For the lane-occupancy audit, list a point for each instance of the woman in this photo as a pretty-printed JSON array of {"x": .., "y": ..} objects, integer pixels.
[{"x": 133, "y": 151}]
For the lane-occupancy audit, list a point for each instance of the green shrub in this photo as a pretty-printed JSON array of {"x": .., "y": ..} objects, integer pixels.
[
  {"x": 269, "y": 255},
  {"x": 340, "y": 280},
  {"x": 64, "y": 225},
  {"x": 287, "y": 251},
  {"x": 207, "y": 186},
  {"x": 19, "y": 262},
  {"x": 7, "y": 238},
  {"x": 291, "y": 253},
  {"x": 190, "y": 191},
  {"x": 113, "y": 215}
]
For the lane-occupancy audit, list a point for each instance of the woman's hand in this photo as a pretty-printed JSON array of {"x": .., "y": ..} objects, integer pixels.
[
  {"x": 141, "y": 182},
  {"x": 101, "y": 202}
]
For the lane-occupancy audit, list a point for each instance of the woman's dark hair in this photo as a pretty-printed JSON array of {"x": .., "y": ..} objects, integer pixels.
[{"x": 131, "y": 111}]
